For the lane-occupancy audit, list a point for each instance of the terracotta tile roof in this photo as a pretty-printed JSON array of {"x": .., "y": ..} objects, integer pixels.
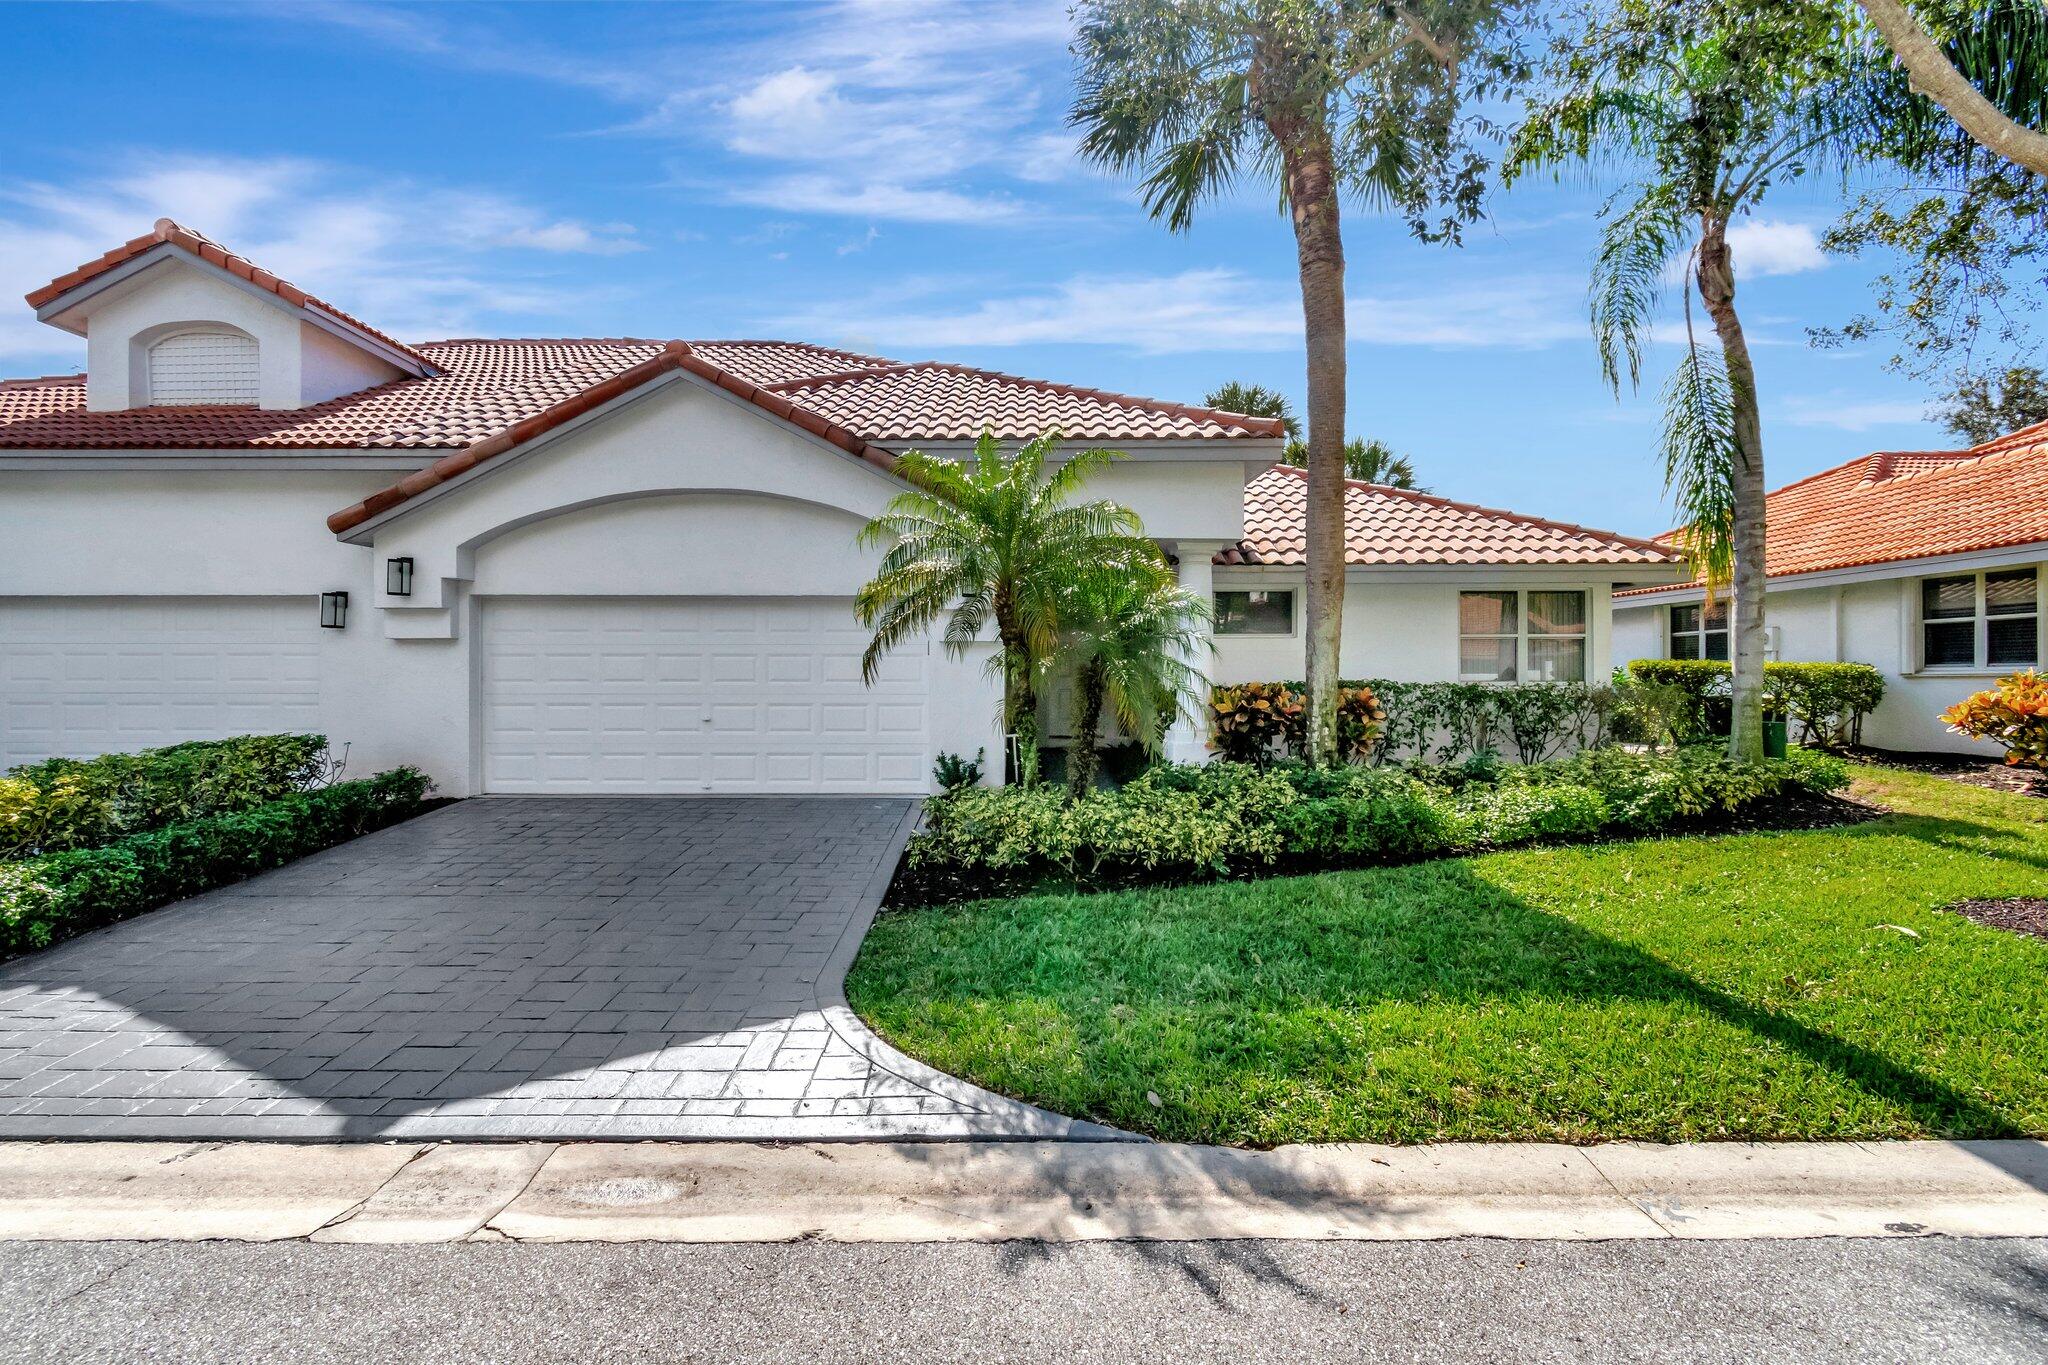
[
  {"x": 482, "y": 388},
  {"x": 1912, "y": 504},
  {"x": 1392, "y": 526},
  {"x": 168, "y": 233},
  {"x": 676, "y": 355},
  {"x": 931, "y": 401},
  {"x": 780, "y": 362}
]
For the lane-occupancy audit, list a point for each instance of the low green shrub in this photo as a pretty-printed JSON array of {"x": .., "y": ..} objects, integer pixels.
[
  {"x": 70, "y": 803},
  {"x": 1379, "y": 720},
  {"x": 1827, "y": 701},
  {"x": 1177, "y": 823},
  {"x": 59, "y": 895}
]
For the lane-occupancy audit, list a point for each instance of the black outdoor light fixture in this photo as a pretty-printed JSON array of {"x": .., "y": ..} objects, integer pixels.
[
  {"x": 398, "y": 576},
  {"x": 333, "y": 610}
]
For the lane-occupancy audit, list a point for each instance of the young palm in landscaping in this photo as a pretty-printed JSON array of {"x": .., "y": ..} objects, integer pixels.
[
  {"x": 993, "y": 542},
  {"x": 1133, "y": 638},
  {"x": 1708, "y": 103},
  {"x": 1317, "y": 97}
]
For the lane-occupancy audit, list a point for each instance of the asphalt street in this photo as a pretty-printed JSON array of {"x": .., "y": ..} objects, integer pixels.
[{"x": 1891, "y": 1300}]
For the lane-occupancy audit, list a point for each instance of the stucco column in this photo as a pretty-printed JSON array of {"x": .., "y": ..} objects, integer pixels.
[{"x": 1188, "y": 740}]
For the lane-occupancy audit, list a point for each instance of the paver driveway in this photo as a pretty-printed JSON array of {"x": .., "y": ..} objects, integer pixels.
[{"x": 503, "y": 967}]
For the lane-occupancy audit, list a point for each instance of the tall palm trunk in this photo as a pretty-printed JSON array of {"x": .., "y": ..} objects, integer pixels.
[
  {"x": 1716, "y": 275},
  {"x": 1082, "y": 759},
  {"x": 1310, "y": 171}
]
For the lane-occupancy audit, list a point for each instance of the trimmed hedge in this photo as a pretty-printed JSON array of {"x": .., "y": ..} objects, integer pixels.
[
  {"x": 1827, "y": 700},
  {"x": 1196, "y": 823},
  {"x": 70, "y": 803},
  {"x": 1382, "y": 721},
  {"x": 60, "y": 895}
]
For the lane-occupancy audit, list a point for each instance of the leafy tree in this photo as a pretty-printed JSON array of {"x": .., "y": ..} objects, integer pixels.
[
  {"x": 1963, "y": 233},
  {"x": 1369, "y": 461},
  {"x": 1705, "y": 105},
  {"x": 1255, "y": 400},
  {"x": 1131, "y": 641},
  {"x": 995, "y": 541},
  {"x": 1972, "y": 94},
  {"x": 1984, "y": 407},
  {"x": 1318, "y": 98}
]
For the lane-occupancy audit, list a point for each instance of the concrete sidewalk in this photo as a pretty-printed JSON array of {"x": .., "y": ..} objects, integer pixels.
[{"x": 1001, "y": 1191}]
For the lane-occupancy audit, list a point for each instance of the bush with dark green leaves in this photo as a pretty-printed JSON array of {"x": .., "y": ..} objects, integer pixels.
[
  {"x": 1383, "y": 721},
  {"x": 71, "y": 803},
  {"x": 1184, "y": 823},
  {"x": 1826, "y": 701},
  {"x": 59, "y": 895}
]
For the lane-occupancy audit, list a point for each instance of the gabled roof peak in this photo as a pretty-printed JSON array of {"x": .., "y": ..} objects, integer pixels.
[{"x": 170, "y": 233}]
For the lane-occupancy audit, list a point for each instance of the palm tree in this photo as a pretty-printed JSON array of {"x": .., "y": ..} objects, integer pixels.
[
  {"x": 1708, "y": 103},
  {"x": 1368, "y": 461},
  {"x": 1256, "y": 400},
  {"x": 1317, "y": 97},
  {"x": 995, "y": 541},
  {"x": 1132, "y": 639}
]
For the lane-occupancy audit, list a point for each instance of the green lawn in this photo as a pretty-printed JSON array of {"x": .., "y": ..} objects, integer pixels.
[{"x": 1733, "y": 987}]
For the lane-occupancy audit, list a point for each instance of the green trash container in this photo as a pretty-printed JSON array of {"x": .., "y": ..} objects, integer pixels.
[{"x": 1774, "y": 739}]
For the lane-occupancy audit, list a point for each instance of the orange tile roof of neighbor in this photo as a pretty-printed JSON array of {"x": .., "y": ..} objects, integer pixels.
[
  {"x": 1393, "y": 526},
  {"x": 1910, "y": 504}
]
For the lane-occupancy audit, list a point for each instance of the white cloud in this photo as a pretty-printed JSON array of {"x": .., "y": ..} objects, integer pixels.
[
  {"x": 1850, "y": 414},
  {"x": 1763, "y": 247},
  {"x": 899, "y": 109},
  {"x": 416, "y": 260},
  {"x": 1215, "y": 309}
]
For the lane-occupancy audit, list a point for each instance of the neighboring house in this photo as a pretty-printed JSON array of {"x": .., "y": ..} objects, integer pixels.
[
  {"x": 1931, "y": 565},
  {"x": 614, "y": 565},
  {"x": 1436, "y": 589}
]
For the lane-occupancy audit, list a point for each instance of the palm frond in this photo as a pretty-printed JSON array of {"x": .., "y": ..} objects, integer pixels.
[
  {"x": 1629, "y": 272},
  {"x": 1699, "y": 455}
]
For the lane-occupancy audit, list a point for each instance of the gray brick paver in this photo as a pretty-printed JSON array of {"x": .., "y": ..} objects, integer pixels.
[{"x": 585, "y": 967}]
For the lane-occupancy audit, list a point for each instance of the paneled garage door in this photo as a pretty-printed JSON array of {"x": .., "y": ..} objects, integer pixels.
[
  {"x": 694, "y": 695},
  {"x": 91, "y": 675}
]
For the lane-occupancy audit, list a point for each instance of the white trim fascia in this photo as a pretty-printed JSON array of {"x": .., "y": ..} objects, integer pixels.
[
  {"x": 365, "y": 533},
  {"x": 408, "y": 459},
  {"x": 1261, "y": 450},
  {"x": 2033, "y": 552},
  {"x": 164, "y": 251}
]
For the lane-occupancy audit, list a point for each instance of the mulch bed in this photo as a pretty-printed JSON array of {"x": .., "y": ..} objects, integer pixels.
[
  {"x": 1790, "y": 811},
  {"x": 2020, "y": 914},
  {"x": 1961, "y": 768}
]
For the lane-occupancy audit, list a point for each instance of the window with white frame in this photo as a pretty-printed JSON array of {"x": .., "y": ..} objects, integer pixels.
[
  {"x": 1254, "y": 612},
  {"x": 1699, "y": 631},
  {"x": 207, "y": 366},
  {"x": 1980, "y": 620},
  {"x": 1516, "y": 634}
]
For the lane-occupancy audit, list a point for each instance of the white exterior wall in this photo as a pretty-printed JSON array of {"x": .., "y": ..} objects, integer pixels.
[
  {"x": 1399, "y": 624},
  {"x": 1871, "y": 620},
  {"x": 298, "y": 363}
]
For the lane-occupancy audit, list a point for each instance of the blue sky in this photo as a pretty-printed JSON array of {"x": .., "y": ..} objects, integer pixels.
[{"x": 891, "y": 177}]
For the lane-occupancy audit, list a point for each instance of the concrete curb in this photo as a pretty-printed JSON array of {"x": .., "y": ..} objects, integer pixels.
[{"x": 1010, "y": 1190}]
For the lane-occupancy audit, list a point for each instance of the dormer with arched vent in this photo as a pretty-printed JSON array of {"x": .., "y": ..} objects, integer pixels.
[{"x": 173, "y": 319}]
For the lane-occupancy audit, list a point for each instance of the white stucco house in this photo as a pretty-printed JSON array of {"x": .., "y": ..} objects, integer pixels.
[
  {"x": 1932, "y": 566},
  {"x": 617, "y": 565}
]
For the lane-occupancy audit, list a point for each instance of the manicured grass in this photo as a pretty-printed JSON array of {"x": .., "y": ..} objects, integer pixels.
[{"x": 1751, "y": 986}]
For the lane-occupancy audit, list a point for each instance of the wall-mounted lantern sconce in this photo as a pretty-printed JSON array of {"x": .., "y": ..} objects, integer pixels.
[
  {"x": 333, "y": 610},
  {"x": 398, "y": 576}
]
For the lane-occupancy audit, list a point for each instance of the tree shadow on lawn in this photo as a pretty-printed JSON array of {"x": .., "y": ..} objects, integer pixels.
[
  {"x": 2008, "y": 843},
  {"x": 1426, "y": 935}
]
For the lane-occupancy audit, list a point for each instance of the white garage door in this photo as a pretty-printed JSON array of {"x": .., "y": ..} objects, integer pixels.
[
  {"x": 92, "y": 675},
  {"x": 694, "y": 695}
]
